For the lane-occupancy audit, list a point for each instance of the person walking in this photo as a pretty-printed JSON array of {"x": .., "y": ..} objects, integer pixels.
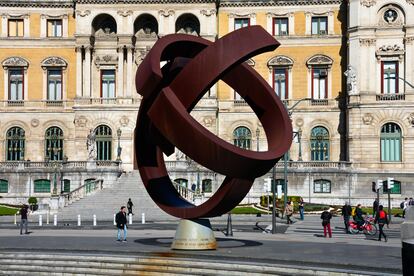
[
  {"x": 346, "y": 214},
  {"x": 326, "y": 222},
  {"x": 121, "y": 223},
  {"x": 375, "y": 207},
  {"x": 405, "y": 205},
  {"x": 411, "y": 201},
  {"x": 23, "y": 213},
  {"x": 381, "y": 218},
  {"x": 289, "y": 212},
  {"x": 301, "y": 208},
  {"x": 129, "y": 206}
]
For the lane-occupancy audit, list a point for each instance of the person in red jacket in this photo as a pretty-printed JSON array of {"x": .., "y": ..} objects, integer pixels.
[{"x": 381, "y": 218}]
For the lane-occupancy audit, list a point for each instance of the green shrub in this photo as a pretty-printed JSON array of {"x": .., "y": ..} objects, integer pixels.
[{"x": 32, "y": 200}]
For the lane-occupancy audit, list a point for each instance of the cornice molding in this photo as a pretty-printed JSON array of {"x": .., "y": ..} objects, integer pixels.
[
  {"x": 267, "y": 3},
  {"x": 38, "y": 4},
  {"x": 143, "y": 1}
]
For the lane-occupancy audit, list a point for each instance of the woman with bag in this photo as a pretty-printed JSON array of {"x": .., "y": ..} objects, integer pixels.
[
  {"x": 326, "y": 222},
  {"x": 381, "y": 218}
]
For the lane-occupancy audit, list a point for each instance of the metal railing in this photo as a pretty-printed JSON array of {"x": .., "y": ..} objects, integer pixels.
[
  {"x": 69, "y": 103},
  {"x": 184, "y": 191},
  {"x": 390, "y": 97},
  {"x": 54, "y": 164},
  {"x": 81, "y": 192}
]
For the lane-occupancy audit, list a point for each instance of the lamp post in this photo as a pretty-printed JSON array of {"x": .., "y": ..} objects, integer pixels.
[
  {"x": 285, "y": 180},
  {"x": 257, "y": 138},
  {"x": 300, "y": 144},
  {"x": 119, "y": 150}
]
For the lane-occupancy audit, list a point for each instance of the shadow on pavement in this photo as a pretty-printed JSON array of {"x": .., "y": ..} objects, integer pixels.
[{"x": 222, "y": 243}]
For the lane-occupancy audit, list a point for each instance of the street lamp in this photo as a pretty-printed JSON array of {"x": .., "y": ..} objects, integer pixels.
[
  {"x": 257, "y": 138},
  {"x": 285, "y": 156},
  {"x": 118, "y": 133}
]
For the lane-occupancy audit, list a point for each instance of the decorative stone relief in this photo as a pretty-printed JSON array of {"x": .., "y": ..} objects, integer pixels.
[
  {"x": 367, "y": 41},
  {"x": 238, "y": 15},
  {"x": 410, "y": 119},
  {"x": 368, "y": 3},
  {"x": 106, "y": 60},
  {"x": 53, "y": 61},
  {"x": 125, "y": 13},
  {"x": 179, "y": 155},
  {"x": 209, "y": 121},
  {"x": 410, "y": 2},
  {"x": 124, "y": 121},
  {"x": 280, "y": 61},
  {"x": 15, "y": 62},
  {"x": 409, "y": 40},
  {"x": 208, "y": 12},
  {"x": 391, "y": 17},
  {"x": 319, "y": 60},
  {"x": 34, "y": 122},
  {"x": 299, "y": 122},
  {"x": 390, "y": 50},
  {"x": 140, "y": 53},
  {"x": 83, "y": 13},
  {"x": 351, "y": 80},
  {"x": 166, "y": 13},
  {"x": 367, "y": 119},
  {"x": 80, "y": 121}
]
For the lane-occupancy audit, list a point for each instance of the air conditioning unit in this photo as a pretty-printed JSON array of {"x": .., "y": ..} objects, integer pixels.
[
  {"x": 323, "y": 32},
  {"x": 283, "y": 33},
  {"x": 323, "y": 73}
]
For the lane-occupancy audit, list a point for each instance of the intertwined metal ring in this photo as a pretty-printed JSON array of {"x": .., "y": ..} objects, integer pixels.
[{"x": 193, "y": 65}]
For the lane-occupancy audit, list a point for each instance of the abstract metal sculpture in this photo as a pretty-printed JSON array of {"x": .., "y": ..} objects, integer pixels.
[{"x": 193, "y": 65}]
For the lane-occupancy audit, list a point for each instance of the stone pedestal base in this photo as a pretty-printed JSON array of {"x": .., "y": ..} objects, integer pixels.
[{"x": 194, "y": 235}]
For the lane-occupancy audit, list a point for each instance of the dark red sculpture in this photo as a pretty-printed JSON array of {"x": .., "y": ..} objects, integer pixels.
[{"x": 169, "y": 93}]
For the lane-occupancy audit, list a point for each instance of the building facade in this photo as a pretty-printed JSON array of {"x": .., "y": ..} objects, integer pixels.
[{"x": 69, "y": 70}]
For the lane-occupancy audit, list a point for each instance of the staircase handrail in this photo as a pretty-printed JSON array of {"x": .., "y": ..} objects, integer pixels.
[
  {"x": 184, "y": 191},
  {"x": 80, "y": 192}
]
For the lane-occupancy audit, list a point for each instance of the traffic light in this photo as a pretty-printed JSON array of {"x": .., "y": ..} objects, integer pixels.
[
  {"x": 377, "y": 185},
  {"x": 267, "y": 185},
  {"x": 390, "y": 181}
]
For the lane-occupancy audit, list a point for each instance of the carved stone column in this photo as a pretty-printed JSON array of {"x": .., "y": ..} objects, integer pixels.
[
  {"x": 79, "y": 72},
  {"x": 120, "y": 77},
  {"x": 87, "y": 73},
  {"x": 129, "y": 72}
]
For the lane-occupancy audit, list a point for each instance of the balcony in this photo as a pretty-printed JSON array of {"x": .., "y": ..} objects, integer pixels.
[
  {"x": 13, "y": 166},
  {"x": 390, "y": 97},
  {"x": 15, "y": 103}
]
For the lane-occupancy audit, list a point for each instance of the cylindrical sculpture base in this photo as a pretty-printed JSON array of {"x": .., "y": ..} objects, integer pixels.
[{"x": 194, "y": 234}]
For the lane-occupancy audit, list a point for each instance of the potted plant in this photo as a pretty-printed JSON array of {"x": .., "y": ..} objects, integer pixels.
[{"x": 33, "y": 203}]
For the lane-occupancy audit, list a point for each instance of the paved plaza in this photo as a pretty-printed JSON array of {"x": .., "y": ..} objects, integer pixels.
[{"x": 301, "y": 244}]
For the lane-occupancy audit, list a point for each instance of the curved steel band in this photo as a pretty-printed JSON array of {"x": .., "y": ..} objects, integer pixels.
[{"x": 194, "y": 65}]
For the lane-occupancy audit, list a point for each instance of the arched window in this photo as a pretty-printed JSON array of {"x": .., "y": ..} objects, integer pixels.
[
  {"x": 104, "y": 24},
  {"x": 206, "y": 186},
  {"x": 319, "y": 144},
  {"x": 188, "y": 24},
  {"x": 54, "y": 144},
  {"x": 242, "y": 137},
  {"x": 15, "y": 140},
  {"x": 391, "y": 143},
  {"x": 146, "y": 26},
  {"x": 42, "y": 186},
  {"x": 103, "y": 142}
]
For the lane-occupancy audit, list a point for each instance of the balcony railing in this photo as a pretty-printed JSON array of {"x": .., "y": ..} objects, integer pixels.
[
  {"x": 69, "y": 103},
  {"x": 21, "y": 165},
  {"x": 391, "y": 97},
  {"x": 15, "y": 103}
]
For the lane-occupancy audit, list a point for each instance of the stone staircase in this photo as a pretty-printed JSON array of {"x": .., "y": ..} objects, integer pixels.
[{"x": 105, "y": 203}]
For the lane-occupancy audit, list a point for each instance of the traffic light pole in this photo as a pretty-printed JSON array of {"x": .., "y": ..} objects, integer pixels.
[
  {"x": 274, "y": 200},
  {"x": 389, "y": 205}
]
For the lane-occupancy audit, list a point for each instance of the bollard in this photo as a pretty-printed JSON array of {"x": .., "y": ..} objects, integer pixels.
[
  {"x": 94, "y": 220},
  {"x": 143, "y": 218},
  {"x": 229, "y": 231},
  {"x": 114, "y": 219},
  {"x": 55, "y": 220},
  {"x": 79, "y": 220},
  {"x": 407, "y": 239},
  {"x": 47, "y": 217},
  {"x": 130, "y": 219},
  {"x": 40, "y": 220},
  {"x": 15, "y": 219}
]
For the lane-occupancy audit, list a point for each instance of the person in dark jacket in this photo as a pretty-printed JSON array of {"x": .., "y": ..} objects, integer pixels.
[
  {"x": 326, "y": 222},
  {"x": 359, "y": 219},
  {"x": 381, "y": 218},
  {"x": 346, "y": 213},
  {"x": 129, "y": 205},
  {"x": 23, "y": 213},
  {"x": 121, "y": 223},
  {"x": 375, "y": 207},
  {"x": 301, "y": 209}
]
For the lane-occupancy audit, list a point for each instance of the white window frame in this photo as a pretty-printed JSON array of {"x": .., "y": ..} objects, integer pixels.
[
  {"x": 11, "y": 63},
  {"x": 51, "y": 63},
  {"x": 291, "y": 21},
  {"x": 232, "y": 16},
  {"x": 43, "y": 25},
  {"x": 328, "y": 14},
  {"x": 320, "y": 61},
  {"x": 281, "y": 62},
  {"x": 5, "y": 24}
]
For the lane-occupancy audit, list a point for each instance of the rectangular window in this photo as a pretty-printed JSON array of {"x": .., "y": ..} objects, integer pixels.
[
  {"x": 241, "y": 23},
  {"x": 42, "y": 186},
  {"x": 280, "y": 26},
  {"x": 390, "y": 78},
  {"x": 108, "y": 83},
  {"x": 321, "y": 186},
  {"x": 66, "y": 186},
  {"x": 320, "y": 25},
  {"x": 54, "y": 27},
  {"x": 16, "y": 84},
  {"x": 280, "y": 82},
  {"x": 319, "y": 83},
  {"x": 16, "y": 28},
  {"x": 4, "y": 186},
  {"x": 54, "y": 85}
]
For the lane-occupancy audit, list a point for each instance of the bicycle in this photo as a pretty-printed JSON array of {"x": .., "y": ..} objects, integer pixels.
[{"x": 368, "y": 227}]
